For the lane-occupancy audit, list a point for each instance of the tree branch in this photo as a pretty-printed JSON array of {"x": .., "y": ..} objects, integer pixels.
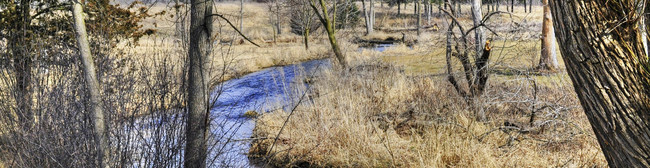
[{"x": 234, "y": 27}]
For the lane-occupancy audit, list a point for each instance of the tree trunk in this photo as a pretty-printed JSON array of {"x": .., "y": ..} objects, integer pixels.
[
  {"x": 95, "y": 106},
  {"x": 429, "y": 9},
  {"x": 399, "y": 8},
  {"x": 199, "y": 76},
  {"x": 602, "y": 47},
  {"x": 418, "y": 17},
  {"x": 366, "y": 16},
  {"x": 548, "y": 58},
  {"x": 22, "y": 62},
  {"x": 459, "y": 9},
  {"x": 306, "y": 36},
  {"x": 372, "y": 15},
  {"x": 498, "y": 4},
  {"x": 278, "y": 24},
  {"x": 241, "y": 15},
  {"x": 512, "y": 5},
  {"x": 477, "y": 16},
  {"x": 329, "y": 27},
  {"x": 525, "y": 5}
]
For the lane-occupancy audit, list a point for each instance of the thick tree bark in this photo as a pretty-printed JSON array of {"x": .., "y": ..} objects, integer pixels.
[
  {"x": 199, "y": 75},
  {"x": 95, "y": 106},
  {"x": 329, "y": 27},
  {"x": 548, "y": 58},
  {"x": 602, "y": 48}
]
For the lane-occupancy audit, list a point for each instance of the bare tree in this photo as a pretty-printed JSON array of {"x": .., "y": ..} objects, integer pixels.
[
  {"x": 328, "y": 23},
  {"x": 476, "y": 72},
  {"x": 199, "y": 75},
  {"x": 95, "y": 104},
  {"x": 602, "y": 46},
  {"x": 369, "y": 16},
  {"x": 548, "y": 58}
]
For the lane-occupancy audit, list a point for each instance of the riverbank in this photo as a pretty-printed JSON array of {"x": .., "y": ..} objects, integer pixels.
[
  {"x": 397, "y": 109},
  {"x": 402, "y": 121}
]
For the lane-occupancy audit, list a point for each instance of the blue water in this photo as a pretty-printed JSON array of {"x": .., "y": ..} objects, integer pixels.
[
  {"x": 377, "y": 47},
  {"x": 262, "y": 91}
]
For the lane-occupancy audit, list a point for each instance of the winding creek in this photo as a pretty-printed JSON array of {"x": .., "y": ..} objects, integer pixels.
[
  {"x": 262, "y": 91},
  {"x": 230, "y": 129}
]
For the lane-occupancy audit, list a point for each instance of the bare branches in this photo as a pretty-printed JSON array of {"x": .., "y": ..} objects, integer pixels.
[{"x": 235, "y": 28}]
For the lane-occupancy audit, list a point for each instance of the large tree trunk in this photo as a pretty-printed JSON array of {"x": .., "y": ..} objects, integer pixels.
[
  {"x": 602, "y": 47},
  {"x": 199, "y": 75},
  {"x": 548, "y": 58},
  {"x": 95, "y": 106},
  {"x": 329, "y": 27}
]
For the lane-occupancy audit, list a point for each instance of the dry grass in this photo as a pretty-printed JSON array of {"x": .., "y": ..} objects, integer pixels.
[
  {"x": 377, "y": 116},
  {"x": 400, "y": 111}
]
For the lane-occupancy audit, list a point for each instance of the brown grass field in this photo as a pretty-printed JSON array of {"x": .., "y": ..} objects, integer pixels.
[
  {"x": 401, "y": 112},
  {"x": 405, "y": 114}
]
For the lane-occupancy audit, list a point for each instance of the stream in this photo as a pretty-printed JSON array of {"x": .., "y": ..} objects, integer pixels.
[
  {"x": 263, "y": 91},
  {"x": 230, "y": 129}
]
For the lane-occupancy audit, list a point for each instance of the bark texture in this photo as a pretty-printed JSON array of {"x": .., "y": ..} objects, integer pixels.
[
  {"x": 199, "y": 75},
  {"x": 95, "y": 106},
  {"x": 548, "y": 58},
  {"x": 602, "y": 47}
]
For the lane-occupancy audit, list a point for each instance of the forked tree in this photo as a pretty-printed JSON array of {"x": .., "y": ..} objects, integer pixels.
[
  {"x": 475, "y": 68},
  {"x": 602, "y": 46}
]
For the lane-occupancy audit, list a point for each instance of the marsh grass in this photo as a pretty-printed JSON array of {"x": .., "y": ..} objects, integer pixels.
[
  {"x": 396, "y": 109},
  {"x": 377, "y": 116}
]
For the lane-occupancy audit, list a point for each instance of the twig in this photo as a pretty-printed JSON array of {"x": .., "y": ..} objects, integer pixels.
[{"x": 233, "y": 27}]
